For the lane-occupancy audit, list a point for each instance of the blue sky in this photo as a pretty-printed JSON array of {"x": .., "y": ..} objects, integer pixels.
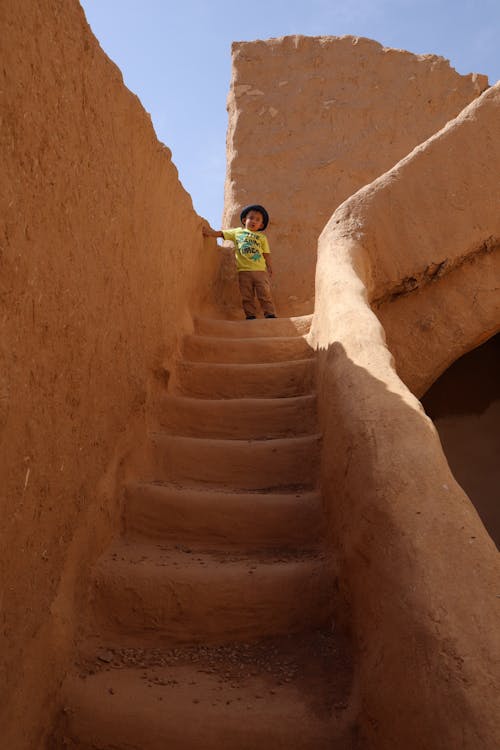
[{"x": 176, "y": 56}]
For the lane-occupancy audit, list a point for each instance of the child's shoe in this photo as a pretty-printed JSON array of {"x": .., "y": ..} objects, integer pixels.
[
  {"x": 250, "y": 317},
  {"x": 270, "y": 315}
]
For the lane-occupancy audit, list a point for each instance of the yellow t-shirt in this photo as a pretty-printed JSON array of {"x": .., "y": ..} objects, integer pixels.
[{"x": 249, "y": 248}]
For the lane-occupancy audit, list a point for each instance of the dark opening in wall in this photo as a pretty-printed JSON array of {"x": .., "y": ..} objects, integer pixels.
[{"x": 464, "y": 404}]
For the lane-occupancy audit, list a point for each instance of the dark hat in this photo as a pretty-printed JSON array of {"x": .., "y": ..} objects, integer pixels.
[{"x": 255, "y": 207}]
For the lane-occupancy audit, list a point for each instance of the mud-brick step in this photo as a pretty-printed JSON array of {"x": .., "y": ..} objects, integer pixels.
[
  {"x": 238, "y": 464},
  {"x": 240, "y": 418},
  {"x": 249, "y": 521},
  {"x": 254, "y": 697},
  {"x": 177, "y": 593},
  {"x": 268, "y": 380},
  {"x": 238, "y": 329},
  {"x": 198, "y": 348}
]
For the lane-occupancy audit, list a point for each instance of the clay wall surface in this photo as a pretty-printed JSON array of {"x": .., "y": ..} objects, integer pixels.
[
  {"x": 101, "y": 257},
  {"x": 312, "y": 120},
  {"x": 464, "y": 404},
  {"x": 439, "y": 298},
  {"x": 417, "y": 569}
]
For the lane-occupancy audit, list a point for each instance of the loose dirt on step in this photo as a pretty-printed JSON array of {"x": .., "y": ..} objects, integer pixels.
[{"x": 317, "y": 665}]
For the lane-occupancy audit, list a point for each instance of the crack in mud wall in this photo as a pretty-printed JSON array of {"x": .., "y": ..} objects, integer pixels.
[
  {"x": 435, "y": 271},
  {"x": 429, "y": 329}
]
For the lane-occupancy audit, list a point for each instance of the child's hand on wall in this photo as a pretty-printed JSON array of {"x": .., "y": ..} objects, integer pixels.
[{"x": 209, "y": 232}]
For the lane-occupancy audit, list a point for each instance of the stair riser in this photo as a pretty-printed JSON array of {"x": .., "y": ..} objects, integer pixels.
[
  {"x": 236, "y": 735},
  {"x": 212, "y": 603},
  {"x": 217, "y": 520},
  {"x": 239, "y": 464},
  {"x": 240, "y": 381},
  {"x": 239, "y": 418},
  {"x": 211, "y": 349},
  {"x": 254, "y": 328}
]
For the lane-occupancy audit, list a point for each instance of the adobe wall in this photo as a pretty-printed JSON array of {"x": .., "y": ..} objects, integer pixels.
[
  {"x": 417, "y": 568},
  {"x": 464, "y": 404},
  {"x": 439, "y": 298},
  {"x": 101, "y": 257},
  {"x": 312, "y": 120}
]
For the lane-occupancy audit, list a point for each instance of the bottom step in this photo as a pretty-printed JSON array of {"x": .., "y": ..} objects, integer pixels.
[{"x": 287, "y": 694}]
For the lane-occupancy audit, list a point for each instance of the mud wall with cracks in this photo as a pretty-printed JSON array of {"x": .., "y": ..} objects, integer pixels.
[
  {"x": 431, "y": 228},
  {"x": 312, "y": 120},
  {"x": 417, "y": 569},
  {"x": 101, "y": 258}
]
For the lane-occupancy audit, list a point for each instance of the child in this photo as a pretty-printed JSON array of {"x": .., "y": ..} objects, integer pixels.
[{"x": 252, "y": 259}]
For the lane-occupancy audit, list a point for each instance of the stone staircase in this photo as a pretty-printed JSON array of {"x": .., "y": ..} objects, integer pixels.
[{"x": 212, "y": 613}]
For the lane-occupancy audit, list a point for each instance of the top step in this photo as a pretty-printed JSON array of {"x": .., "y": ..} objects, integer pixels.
[{"x": 240, "y": 329}]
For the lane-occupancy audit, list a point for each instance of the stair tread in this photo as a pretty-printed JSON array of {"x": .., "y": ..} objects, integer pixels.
[
  {"x": 237, "y": 380},
  {"x": 248, "y": 520},
  {"x": 244, "y": 339},
  {"x": 250, "y": 418},
  {"x": 238, "y": 366},
  {"x": 238, "y": 463},
  {"x": 288, "y": 692},
  {"x": 220, "y": 349},
  {"x": 291, "y": 327},
  {"x": 277, "y": 494},
  {"x": 184, "y": 594},
  {"x": 152, "y": 553},
  {"x": 274, "y": 402},
  {"x": 311, "y": 437}
]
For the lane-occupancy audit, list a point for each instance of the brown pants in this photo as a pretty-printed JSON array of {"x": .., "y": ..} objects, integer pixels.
[{"x": 255, "y": 282}]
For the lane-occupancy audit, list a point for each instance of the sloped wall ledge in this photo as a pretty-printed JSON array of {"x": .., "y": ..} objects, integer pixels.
[{"x": 417, "y": 570}]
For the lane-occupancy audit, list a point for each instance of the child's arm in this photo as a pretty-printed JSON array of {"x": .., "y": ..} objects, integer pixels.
[
  {"x": 268, "y": 264},
  {"x": 209, "y": 232}
]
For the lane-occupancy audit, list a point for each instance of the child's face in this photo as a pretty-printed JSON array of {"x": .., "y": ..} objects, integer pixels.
[{"x": 253, "y": 221}]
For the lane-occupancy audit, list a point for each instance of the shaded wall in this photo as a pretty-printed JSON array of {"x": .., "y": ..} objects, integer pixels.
[
  {"x": 101, "y": 258},
  {"x": 312, "y": 120},
  {"x": 418, "y": 573},
  {"x": 464, "y": 404}
]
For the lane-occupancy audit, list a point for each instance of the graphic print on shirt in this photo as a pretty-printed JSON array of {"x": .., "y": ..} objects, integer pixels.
[{"x": 250, "y": 246}]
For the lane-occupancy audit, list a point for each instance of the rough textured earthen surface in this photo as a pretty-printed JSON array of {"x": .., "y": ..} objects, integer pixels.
[
  {"x": 102, "y": 263},
  {"x": 418, "y": 569},
  {"x": 312, "y": 120},
  {"x": 464, "y": 404},
  {"x": 101, "y": 258},
  {"x": 438, "y": 298},
  {"x": 209, "y": 620}
]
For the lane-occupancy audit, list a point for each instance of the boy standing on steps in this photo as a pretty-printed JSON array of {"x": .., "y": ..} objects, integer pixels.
[{"x": 252, "y": 259}]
